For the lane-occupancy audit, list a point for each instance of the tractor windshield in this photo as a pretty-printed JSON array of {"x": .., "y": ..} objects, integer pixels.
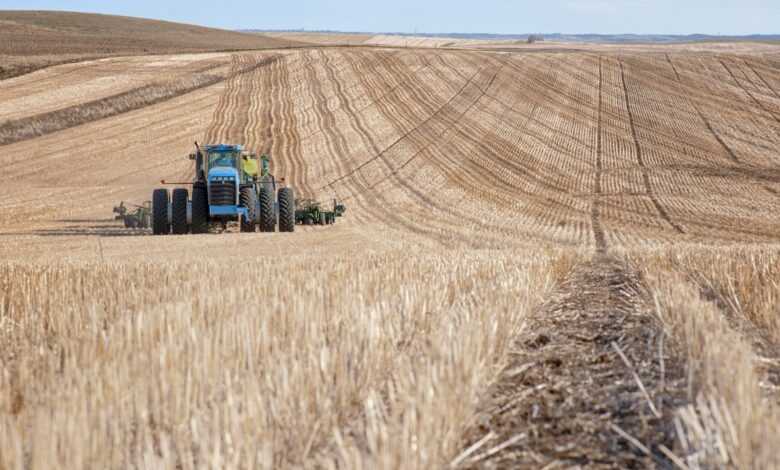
[{"x": 224, "y": 159}]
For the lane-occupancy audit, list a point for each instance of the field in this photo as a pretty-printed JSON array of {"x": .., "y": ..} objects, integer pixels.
[
  {"x": 553, "y": 256},
  {"x": 31, "y": 40}
]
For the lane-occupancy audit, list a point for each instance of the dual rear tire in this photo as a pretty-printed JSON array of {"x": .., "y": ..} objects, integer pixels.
[
  {"x": 200, "y": 209},
  {"x": 160, "y": 200},
  {"x": 267, "y": 213},
  {"x": 179, "y": 224},
  {"x": 286, "y": 210},
  {"x": 248, "y": 199},
  {"x": 178, "y": 220}
]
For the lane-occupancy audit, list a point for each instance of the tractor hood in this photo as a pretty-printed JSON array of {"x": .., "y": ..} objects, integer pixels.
[{"x": 223, "y": 172}]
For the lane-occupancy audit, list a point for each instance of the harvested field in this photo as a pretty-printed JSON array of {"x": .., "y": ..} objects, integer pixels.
[
  {"x": 31, "y": 40},
  {"x": 559, "y": 258}
]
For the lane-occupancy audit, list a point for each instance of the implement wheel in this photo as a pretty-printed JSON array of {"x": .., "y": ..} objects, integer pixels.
[
  {"x": 160, "y": 198},
  {"x": 286, "y": 210},
  {"x": 179, "y": 212},
  {"x": 248, "y": 199},
  {"x": 200, "y": 208},
  {"x": 267, "y": 213}
]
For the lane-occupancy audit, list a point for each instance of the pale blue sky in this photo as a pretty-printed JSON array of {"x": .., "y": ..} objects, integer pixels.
[{"x": 438, "y": 16}]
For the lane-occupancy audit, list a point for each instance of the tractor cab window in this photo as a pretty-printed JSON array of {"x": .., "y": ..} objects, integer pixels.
[{"x": 224, "y": 159}]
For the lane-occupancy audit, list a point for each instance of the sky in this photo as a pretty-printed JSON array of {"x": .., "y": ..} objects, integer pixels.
[{"x": 728, "y": 17}]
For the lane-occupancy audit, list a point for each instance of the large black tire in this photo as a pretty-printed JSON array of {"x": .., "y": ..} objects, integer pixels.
[
  {"x": 200, "y": 208},
  {"x": 286, "y": 210},
  {"x": 248, "y": 199},
  {"x": 267, "y": 213},
  {"x": 179, "y": 224},
  {"x": 160, "y": 225}
]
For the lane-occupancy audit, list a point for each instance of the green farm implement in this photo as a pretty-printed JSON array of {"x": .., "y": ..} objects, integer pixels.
[
  {"x": 311, "y": 212},
  {"x": 140, "y": 217}
]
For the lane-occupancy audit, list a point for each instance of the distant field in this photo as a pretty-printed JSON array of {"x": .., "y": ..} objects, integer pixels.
[{"x": 30, "y": 40}]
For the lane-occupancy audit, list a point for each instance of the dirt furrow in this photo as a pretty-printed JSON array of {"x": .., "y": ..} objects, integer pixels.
[{"x": 585, "y": 373}]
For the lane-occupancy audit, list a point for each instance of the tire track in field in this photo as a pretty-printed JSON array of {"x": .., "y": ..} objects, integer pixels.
[
  {"x": 595, "y": 216},
  {"x": 750, "y": 93},
  {"x": 290, "y": 147},
  {"x": 640, "y": 159},
  {"x": 392, "y": 89},
  {"x": 221, "y": 113},
  {"x": 729, "y": 151},
  {"x": 380, "y": 205},
  {"x": 478, "y": 136},
  {"x": 477, "y": 164},
  {"x": 260, "y": 93},
  {"x": 233, "y": 104},
  {"x": 401, "y": 138},
  {"x": 761, "y": 77},
  {"x": 335, "y": 142},
  {"x": 561, "y": 101},
  {"x": 733, "y": 105},
  {"x": 414, "y": 192},
  {"x": 667, "y": 137},
  {"x": 381, "y": 101}
]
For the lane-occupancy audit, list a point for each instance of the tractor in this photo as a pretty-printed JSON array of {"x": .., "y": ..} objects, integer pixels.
[{"x": 226, "y": 187}]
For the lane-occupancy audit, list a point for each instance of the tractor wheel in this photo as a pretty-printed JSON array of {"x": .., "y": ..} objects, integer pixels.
[
  {"x": 160, "y": 200},
  {"x": 179, "y": 212},
  {"x": 286, "y": 210},
  {"x": 200, "y": 208},
  {"x": 248, "y": 199},
  {"x": 267, "y": 214}
]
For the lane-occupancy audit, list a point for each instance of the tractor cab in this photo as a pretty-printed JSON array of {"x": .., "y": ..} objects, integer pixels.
[{"x": 220, "y": 159}]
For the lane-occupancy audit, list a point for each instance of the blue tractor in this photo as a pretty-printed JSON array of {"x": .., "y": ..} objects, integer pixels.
[{"x": 227, "y": 187}]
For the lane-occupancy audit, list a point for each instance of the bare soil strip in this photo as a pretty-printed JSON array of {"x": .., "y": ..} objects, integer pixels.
[{"x": 585, "y": 378}]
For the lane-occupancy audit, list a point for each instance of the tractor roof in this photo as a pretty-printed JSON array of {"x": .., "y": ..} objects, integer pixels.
[{"x": 219, "y": 148}]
